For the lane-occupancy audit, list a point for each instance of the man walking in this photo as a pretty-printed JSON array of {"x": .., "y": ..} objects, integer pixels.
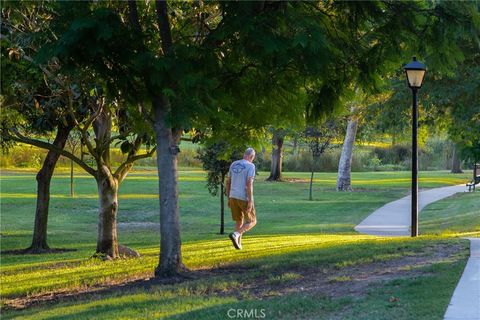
[{"x": 240, "y": 196}]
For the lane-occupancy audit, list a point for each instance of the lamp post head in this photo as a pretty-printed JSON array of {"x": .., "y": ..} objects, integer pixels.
[{"x": 415, "y": 72}]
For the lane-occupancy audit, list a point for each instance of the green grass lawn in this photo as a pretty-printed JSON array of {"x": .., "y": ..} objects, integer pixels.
[
  {"x": 458, "y": 213},
  {"x": 295, "y": 240}
]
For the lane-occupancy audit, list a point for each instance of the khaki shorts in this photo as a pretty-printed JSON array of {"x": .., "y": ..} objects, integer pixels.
[{"x": 239, "y": 210}]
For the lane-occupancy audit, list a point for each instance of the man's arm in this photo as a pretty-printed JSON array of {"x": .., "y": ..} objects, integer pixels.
[
  {"x": 250, "y": 194},
  {"x": 227, "y": 190},
  {"x": 227, "y": 186}
]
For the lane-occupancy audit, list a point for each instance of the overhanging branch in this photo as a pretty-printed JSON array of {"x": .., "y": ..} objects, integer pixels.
[
  {"x": 84, "y": 129},
  {"x": 18, "y": 137},
  {"x": 123, "y": 168},
  {"x": 45, "y": 71}
]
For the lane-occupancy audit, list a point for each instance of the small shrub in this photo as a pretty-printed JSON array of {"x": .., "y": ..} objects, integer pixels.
[
  {"x": 374, "y": 163},
  {"x": 188, "y": 158},
  {"x": 263, "y": 161}
]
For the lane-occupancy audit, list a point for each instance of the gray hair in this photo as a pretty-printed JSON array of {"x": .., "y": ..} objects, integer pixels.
[{"x": 249, "y": 152}]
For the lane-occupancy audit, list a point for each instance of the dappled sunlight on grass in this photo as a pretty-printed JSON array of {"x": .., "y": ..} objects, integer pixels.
[
  {"x": 15, "y": 233},
  {"x": 307, "y": 226},
  {"x": 51, "y": 276},
  {"x": 13, "y": 176},
  {"x": 13, "y": 269},
  {"x": 459, "y": 213},
  {"x": 48, "y": 276},
  {"x": 152, "y": 305},
  {"x": 34, "y": 196},
  {"x": 292, "y": 233},
  {"x": 261, "y": 257},
  {"x": 180, "y": 178},
  {"x": 456, "y": 234}
]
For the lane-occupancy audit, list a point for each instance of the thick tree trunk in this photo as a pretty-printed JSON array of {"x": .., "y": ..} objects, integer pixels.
[
  {"x": 277, "y": 155},
  {"x": 107, "y": 242},
  {"x": 107, "y": 184},
  {"x": 344, "y": 182},
  {"x": 170, "y": 263},
  {"x": 456, "y": 163},
  {"x": 222, "y": 208},
  {"x": 44, "y": 177}
]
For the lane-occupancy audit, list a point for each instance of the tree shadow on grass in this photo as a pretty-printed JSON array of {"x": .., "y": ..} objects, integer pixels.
[
  {"x": 289, "y": 306},
  {"x": 313, "y": 272},
  {"x": 196, "y": 306},
  {"x": 144, "y": 285},
  {"x": 143, "y": 308},
  {"x": 36, "y": 251}
]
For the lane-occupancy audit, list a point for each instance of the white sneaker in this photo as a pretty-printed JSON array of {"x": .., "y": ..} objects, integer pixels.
[{"x": 235, "y": 237}]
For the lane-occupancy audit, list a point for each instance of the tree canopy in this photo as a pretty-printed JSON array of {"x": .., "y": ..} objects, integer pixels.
[{"x": 227, "y": 67}]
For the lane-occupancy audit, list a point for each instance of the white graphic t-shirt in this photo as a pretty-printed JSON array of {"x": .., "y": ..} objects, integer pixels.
[{"x": 240, "y": 172}]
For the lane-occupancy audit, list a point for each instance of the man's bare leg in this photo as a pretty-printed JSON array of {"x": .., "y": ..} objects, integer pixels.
[
  {"x": 236, "y": 236},
  {"x": 240, "y": 229},
  {"x": 238, "y": 225},
  {"x": 245, "y": 227}
]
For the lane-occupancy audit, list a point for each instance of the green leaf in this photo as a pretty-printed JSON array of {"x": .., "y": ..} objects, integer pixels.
[{"x": 125, "y": 147}]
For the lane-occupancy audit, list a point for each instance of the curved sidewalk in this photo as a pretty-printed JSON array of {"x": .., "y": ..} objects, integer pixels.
[
  {"x": 394, "y": 218},
  {"x": 465, "y": 302}
]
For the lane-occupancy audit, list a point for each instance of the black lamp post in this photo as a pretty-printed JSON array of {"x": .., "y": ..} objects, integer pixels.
[{"x": 415, "y": 72}]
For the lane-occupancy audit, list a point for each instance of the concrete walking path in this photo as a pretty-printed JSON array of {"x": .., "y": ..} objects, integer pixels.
[
  {"x": 394, "y": 218},
  {"x": 465, "y": 302}
]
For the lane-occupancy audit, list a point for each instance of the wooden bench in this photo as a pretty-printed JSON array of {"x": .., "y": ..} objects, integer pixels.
[
  {"x": 471, "y": 185},
  {"x": 476, "y": 180}
]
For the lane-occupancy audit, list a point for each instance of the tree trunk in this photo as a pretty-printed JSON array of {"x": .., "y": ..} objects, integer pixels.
[
  {"x": 107, "y": 184},
  {"x": 476, "y": 170},
  {"x": 277, "y": 155},
  {"x": 222, "y": 208},
  {"x": 311, "y": 186},
  {"x": 456, "y": 163},
  {"x": 170, "y": 263},
  {"x": 72, "y": 192},
  {"x": 107, "y": 242},
  {"x": 44, "y": 177},
  {"x": 344, "y": 182}
]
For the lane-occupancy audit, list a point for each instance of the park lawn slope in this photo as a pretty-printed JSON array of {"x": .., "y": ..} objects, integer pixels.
[
  {"x": 459, "y": 213},
  {"x": 327, "y": 277},
  {"x": 294, "y": 240}
]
